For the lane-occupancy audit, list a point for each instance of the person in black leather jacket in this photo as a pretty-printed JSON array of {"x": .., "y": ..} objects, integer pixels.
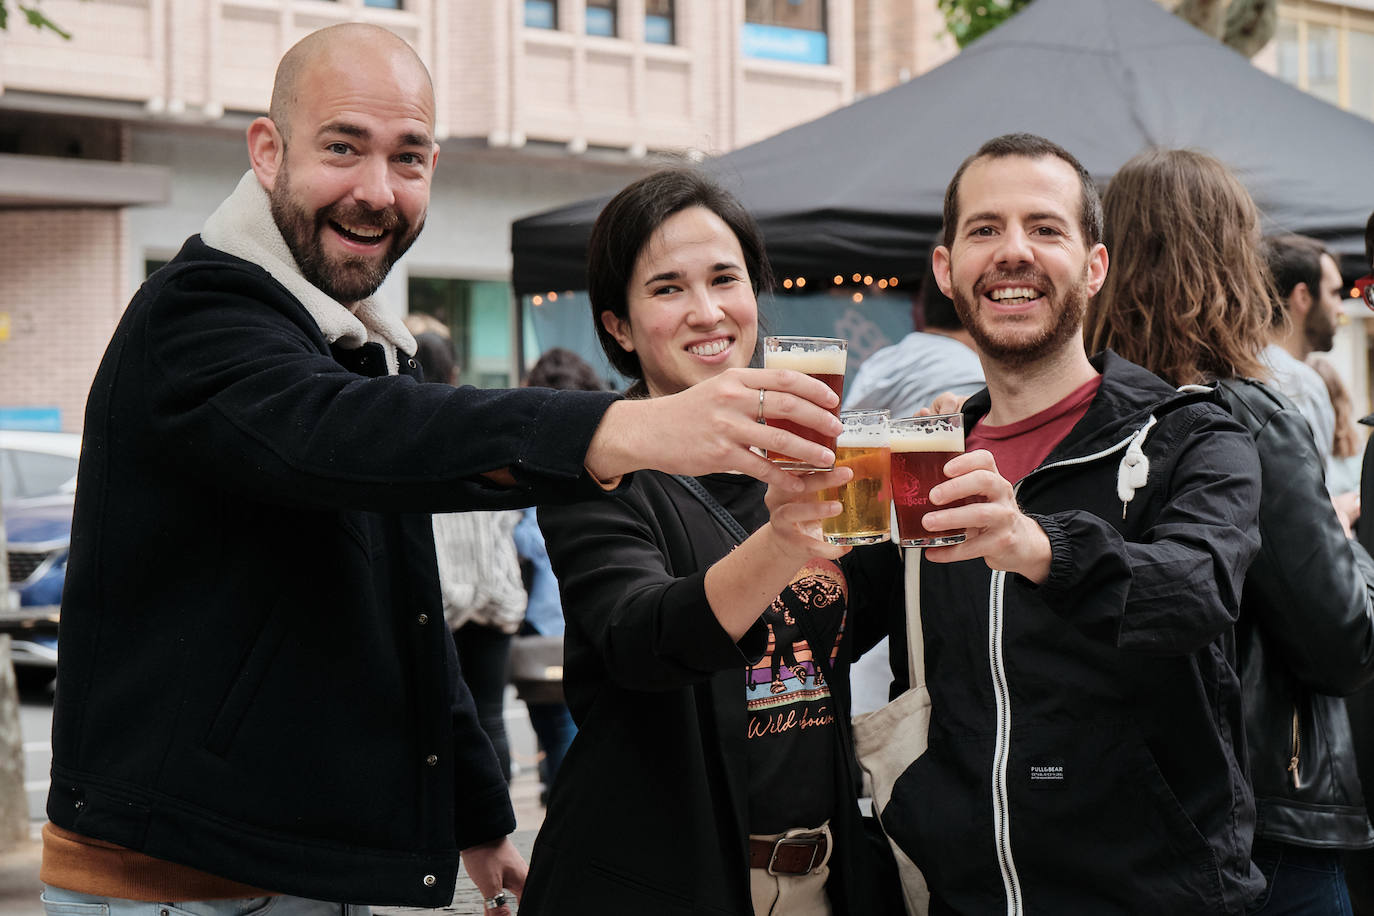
[
  {"x": 1360, "y": 865},
  {"x": 1187, "y": 297}
]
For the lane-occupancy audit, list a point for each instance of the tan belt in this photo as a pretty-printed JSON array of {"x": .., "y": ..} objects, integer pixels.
[{"x": 792, "y": 855}]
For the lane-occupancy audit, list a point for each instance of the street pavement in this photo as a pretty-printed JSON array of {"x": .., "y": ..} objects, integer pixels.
[{"x": 20, "y": 887}]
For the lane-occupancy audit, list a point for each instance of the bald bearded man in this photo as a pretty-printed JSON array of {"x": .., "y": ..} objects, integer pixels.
[{"x": 278, "y": 719}]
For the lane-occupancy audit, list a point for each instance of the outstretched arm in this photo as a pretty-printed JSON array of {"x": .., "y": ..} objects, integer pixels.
[{"x": 713, "y": 426}]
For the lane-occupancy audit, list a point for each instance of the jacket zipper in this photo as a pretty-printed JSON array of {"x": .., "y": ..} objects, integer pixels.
[
  {"x": 1001, "y": 820},
  {"x": 1001, "y": 815},
  {"x": 1293, "y": 761}
]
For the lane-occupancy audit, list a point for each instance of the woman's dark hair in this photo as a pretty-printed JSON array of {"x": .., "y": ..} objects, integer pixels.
[
  {"x": 1369, "y": 241},
  {"x": 436, "y": 357},
  {"x": 624, "y": 227},
  {"x": 564, "y": 369}
]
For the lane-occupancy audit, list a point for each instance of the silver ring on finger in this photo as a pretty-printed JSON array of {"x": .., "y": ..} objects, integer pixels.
[
  {"x": 762, "y": 391},
  {"x": 500, "y": 900}
]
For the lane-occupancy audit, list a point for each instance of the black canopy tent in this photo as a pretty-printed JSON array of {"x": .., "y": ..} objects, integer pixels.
[{"x": 861, "y": 189}]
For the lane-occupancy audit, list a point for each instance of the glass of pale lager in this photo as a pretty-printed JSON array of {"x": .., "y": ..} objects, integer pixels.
[
  {"x": 866, "y": 501},
  {"x": 819, "y": 357},
  {"x": 920, "y": 448}
]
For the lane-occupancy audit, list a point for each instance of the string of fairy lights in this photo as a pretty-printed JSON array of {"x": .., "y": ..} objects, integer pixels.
[
  {"x": 791, "y": 284},
  {"x": 799, "y": 283}
]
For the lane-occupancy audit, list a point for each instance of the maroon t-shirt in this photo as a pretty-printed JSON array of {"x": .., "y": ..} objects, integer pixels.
[{"x": 1020, "y": 447}]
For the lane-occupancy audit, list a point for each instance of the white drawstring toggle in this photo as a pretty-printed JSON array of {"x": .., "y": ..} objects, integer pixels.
[{"x": 1134, "y": 470}]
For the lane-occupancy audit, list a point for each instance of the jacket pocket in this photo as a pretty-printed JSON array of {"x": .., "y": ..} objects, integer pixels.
[
  {"x": 1093, "y": 794},
  {"x": 243, "y": 691}
]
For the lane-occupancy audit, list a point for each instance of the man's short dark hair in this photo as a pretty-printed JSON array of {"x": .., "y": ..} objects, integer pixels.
[
  {"x": 1293, "y": 259},
  {"x": 1028, "y": 146}
]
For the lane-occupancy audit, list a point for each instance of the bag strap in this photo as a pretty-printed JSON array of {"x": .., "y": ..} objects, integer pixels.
[
  {"x": 915, "y": 637},
  {"x": 695, "y": 487},
  {"x": 730, "y": 523}
]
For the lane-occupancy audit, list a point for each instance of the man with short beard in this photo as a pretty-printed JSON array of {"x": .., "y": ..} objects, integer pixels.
[
  {"x": 1085, "y": 751},
  {"x": 1305, "y": 316},
  {"x": 258, "y": 696}
]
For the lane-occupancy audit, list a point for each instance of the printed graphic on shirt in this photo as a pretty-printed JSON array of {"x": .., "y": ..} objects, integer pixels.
[
  {"x": 788, "y": 673},
  {"x": 791, "y": 712}
]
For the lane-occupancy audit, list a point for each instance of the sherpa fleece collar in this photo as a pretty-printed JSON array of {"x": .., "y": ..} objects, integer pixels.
[{"x": 243, "y": 226}]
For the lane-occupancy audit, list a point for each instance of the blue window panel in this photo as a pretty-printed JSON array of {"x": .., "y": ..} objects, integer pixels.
[
  {"x": 540, "y": 14},
  {"x": 658, "y": 30},
  {"x": 383, "y": 4},
  {"x": 600, "y": 21},
  {"x": 773, "y": 42},
  {"x": 43, "y": 419}
]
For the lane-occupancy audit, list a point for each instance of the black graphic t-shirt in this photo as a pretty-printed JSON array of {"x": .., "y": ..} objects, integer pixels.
[{"x": 791, "y": 713}]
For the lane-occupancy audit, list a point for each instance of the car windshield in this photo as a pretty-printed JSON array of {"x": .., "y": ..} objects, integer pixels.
[{"x": 25, "y": 474}]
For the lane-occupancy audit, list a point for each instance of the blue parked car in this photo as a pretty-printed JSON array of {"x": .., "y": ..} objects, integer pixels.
[{"x": 38, "y": 483}]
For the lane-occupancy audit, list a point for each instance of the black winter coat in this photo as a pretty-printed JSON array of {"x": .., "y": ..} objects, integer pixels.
[
  {"x": 1086, "y": 750},
  {"x": 256, "y": 678},
  {"x": 1305, "y": 638},
  {"x": 649, "y": 813}
]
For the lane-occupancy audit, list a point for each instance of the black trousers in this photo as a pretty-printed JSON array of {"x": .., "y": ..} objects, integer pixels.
[{"x": 484, "y": 655}]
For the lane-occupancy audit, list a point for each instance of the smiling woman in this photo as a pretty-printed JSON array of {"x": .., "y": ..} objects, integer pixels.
[
  {"x": 691, "y": 309},
  {"x": 694, "y": 646}
]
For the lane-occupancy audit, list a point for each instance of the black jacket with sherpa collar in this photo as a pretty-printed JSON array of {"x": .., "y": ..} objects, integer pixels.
[
  {"x": 1086, "y": 751},
  {"x": 256, "y": 676}
]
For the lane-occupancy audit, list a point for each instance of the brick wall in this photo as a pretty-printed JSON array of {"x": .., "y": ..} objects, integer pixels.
[
  {"x": 62, "y": 285},
  {"x": 895, "y": 40}
]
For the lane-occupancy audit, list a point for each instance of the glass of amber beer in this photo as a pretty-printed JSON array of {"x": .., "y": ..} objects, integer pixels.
[
  {"x": 866, "y": 501},
  {"x": 920, "y": 448},
  {"x": 819, "y": 357}
]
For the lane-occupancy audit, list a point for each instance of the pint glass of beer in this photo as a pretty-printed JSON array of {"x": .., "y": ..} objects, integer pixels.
[
  {"x": 819, "y": 357},
  {"x": 865, "y": 502},
  {"x": 920, "y": 448}
]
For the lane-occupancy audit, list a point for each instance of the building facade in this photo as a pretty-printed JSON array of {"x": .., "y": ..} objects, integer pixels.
[
  {"x": 116, "y": 145},
  {"x": 1327, "y": 49}
]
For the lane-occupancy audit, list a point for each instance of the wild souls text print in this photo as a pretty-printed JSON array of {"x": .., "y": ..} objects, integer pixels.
[{"x": 785, "y": 720}]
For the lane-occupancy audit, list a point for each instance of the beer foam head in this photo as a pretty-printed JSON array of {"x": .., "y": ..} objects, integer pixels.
[
  {"x": 926, "y": 439},
  {"x": 812, "y": 362},
  {"x": 863, "y": 437}
]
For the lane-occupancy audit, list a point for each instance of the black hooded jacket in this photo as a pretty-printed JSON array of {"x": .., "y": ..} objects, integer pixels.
[{"x": 1086, "y": 749}]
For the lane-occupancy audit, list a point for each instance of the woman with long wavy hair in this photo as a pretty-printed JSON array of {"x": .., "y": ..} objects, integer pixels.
[{"x": 1188, "y": 297}]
